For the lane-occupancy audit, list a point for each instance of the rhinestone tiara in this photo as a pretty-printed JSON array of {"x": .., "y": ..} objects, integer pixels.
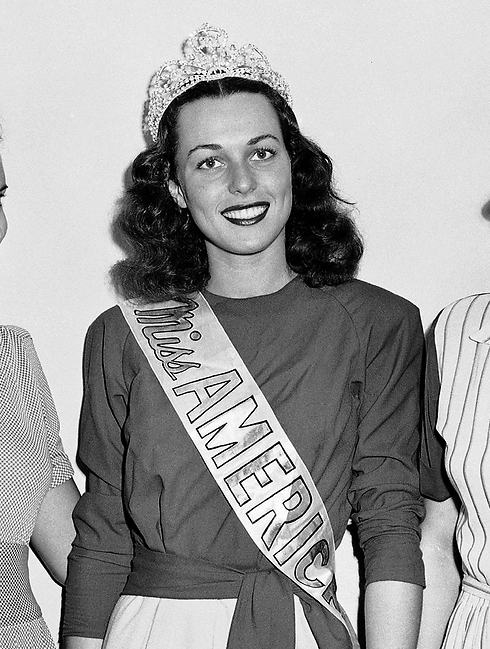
[{"x": 207, "y": 57}]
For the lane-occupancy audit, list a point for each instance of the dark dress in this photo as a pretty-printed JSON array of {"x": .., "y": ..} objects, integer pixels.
[{"x": 340, "y": 367}]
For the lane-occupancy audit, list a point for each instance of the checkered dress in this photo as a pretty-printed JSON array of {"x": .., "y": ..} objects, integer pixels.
[{"x": 32, "y": 461}]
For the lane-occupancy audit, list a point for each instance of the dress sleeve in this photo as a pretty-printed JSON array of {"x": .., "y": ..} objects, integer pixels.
[
  {"x": 61, "y": 466},
  {"x": 385, "y": 496},
  {"x": 434, "y": 482},
  {"x": 25, "y": 389},
  {"x": 102, "y": 551}
]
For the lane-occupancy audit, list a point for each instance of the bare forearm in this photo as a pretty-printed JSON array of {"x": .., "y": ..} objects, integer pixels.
[
  {"x": 440, "y": 596},
  {"x": 441, "y": 572},
  {"x": 54, "y": 530},
  {"x": 73, "y": 642},
  {"x": 392, "y": 612}
]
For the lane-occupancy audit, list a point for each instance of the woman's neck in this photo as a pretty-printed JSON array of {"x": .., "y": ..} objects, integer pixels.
[{"x": 241, "y": 278}]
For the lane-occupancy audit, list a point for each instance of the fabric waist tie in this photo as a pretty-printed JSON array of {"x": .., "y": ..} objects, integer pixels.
[
  {"x": 475, "y": 587},
  {"x": 264, "y": 612},
  {"x": 17, "y": 602}
]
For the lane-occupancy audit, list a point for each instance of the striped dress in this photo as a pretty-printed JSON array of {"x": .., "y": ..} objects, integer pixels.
[
  {"x": 32, "y": 461},
  {"x": 462, "y": 345}
]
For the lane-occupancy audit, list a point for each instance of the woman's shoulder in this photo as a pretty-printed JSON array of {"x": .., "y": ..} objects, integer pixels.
[
  {"x": 14, "y": 333},
  {"x": 366, "y": 301},
  {"x": 467, "y": 300},
  {"x": 472, "y": 308},
  {"x": 109, "y": 331},
  {"x": 18, "y": 356},
  {"x": 15, "y": 341},
  {"x": 469, "y": 315},
  {"x": 110, "y": 322}
]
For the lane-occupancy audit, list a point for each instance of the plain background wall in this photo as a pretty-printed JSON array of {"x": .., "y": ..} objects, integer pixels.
[{"x": 396, "y": 92}]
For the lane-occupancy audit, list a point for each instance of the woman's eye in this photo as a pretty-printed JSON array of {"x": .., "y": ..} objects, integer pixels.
[
  {"x": 263, "y": 154},
  {"x": 209, "y": 163}
]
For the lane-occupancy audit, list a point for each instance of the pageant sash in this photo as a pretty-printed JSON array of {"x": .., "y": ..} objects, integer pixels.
[{"x": 241, "y": 441}]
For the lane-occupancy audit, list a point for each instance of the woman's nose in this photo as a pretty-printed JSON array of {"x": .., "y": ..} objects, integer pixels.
[{"x": 242, "y": 178}]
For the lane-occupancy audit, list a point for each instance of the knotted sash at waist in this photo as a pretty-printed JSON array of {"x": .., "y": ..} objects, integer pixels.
[{"x": 264, "y": 612}]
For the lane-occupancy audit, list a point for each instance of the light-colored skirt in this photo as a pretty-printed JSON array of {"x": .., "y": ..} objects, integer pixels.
[
  {"x": 469, "y": 625},
  {"x": 139, "y": 622}
]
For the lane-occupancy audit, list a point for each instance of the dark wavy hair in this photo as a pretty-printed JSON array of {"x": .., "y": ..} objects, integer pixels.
[{"x": 166, "y": 255}]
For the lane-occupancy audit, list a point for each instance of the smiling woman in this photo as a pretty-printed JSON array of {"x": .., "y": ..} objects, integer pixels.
[
  {"x": 248, "y": 396},
  {"x": 168, "y": 254},
  {"x": 234, "y": 177}
]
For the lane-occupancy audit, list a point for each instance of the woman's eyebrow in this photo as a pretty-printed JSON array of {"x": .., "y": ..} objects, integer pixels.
[
  {"x": 217, "y": 147},
  {"x": 259, "y": 138},
  {"x": 213, "y": 147},
  {"x": 4, "y": 188}
]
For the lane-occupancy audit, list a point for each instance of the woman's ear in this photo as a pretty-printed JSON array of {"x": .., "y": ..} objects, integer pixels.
[{"x": 177, "y": 194}]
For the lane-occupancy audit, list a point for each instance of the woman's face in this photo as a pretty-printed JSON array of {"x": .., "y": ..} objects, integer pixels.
[
  {"x": 234, "y": 174},
  {"x": 3, "y": 189}
]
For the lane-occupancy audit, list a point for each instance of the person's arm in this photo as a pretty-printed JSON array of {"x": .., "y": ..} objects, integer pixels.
[
  {"x": 100, "y": 559},
  {"x": 28, "y": 407},
  {"x": 54, "y": 530},
  {"x": 434, "y": 482},
  {"x": 385, "y": 496},
  {"x": 441, "y": 571},
  {"x": 392, "y": 610},
  {"x": 438, "y": 528},
  {"x": 81, "y": 643}
]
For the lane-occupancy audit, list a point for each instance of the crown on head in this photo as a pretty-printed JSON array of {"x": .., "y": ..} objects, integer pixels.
[{"x": 207, "y": 57}]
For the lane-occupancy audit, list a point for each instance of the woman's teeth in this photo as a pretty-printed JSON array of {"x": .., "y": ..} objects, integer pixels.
[{"x": 246, "y": 214}]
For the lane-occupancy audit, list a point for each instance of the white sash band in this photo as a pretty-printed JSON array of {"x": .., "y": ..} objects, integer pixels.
[{"x": 241, "y": 441}]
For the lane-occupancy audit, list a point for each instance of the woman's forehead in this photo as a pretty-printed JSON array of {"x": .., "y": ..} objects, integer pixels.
[{"x": 240, "y": 116}]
